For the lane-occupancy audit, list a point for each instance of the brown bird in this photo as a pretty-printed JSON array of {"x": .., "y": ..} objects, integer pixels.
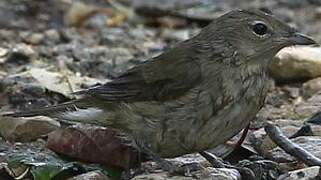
[{"x": 194, "y": 96}]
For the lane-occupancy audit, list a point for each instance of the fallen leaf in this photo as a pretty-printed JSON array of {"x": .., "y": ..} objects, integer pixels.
[{"x": 95, "y": 145}]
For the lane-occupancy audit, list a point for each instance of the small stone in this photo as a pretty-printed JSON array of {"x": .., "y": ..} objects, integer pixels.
[
  {"x": 176, "y": 36},
  {"x": 315, "y": 129},
  {"x": 77, "y": 13},
  {"x": 309, "y": 107},
  {"x": 96, "y": 175},
  {"x": 25, "y": 49},
  {"x": 26, "y": 129},
  {"x": 302, "y": 174},
  {"x": 318, "y": 12},
  {"x": 52, "y": 35},
  {"x": 154, "y": 176},
  {"x": 34, "y": 38},
  {"x": 210, "y": 173},
  {"x": 3, "y": 52},
  {"x": 21, "y": 54},
  {"x": 295, "y": 63},
  {"x": 311, "y": 87}
]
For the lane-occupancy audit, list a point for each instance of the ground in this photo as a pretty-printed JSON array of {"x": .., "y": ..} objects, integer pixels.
[{"x": 51, "y": 48}]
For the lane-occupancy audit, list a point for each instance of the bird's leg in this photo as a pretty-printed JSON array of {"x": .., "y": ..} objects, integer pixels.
[
  {"x": 211, "y": 158},
  {"x": 241, "y": 140},
  {"x": 170, "y": 167},
  {"x": 215, "y": 161},
  {"x": 219, "y": 163}
]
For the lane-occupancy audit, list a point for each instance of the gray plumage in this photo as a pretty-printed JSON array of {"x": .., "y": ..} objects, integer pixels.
[{"x": 194, "y": 96}]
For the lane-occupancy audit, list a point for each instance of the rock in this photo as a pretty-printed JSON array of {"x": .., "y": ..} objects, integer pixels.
[
  {"x": 3, "y": 54},
  {"x": 318, "y": 13},
  {"x": 34, "y": 38},
  {"x": 78, "y": 12},
  {"x": 262, "y": 169},
  {"x": 302, "y": 174},
  {"x": 105, "y": 60},
  {"x": 315, "y": 129},
  {"x": 159, "y": 176},
  {"x": 219, "y": 174},
  {"x": 189, "y": 158},
  {"x": 176, "y": 36},
  {"x": 208, "y": 173},
  {"x": 311, "y": 87},
  {"x": 52, "y": 35},
  {"x": 26, "y": 129},
  {"x": 295, "y": 63},
  {"x": 21, "y": 54},
  {"x": 96, "y": 175},
  {"x": 309, "y": 107},
  {"x": 309, "y": 143},
  {"x": 58, "y": 82}
]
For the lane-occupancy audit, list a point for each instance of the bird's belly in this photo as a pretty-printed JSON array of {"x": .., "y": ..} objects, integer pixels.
[
  {"x": 192, "y": 128},
  {"x": 191, "y": 139}
]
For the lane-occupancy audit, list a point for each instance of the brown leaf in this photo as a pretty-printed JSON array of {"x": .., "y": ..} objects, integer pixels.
[{"x": 94, "y": 145}]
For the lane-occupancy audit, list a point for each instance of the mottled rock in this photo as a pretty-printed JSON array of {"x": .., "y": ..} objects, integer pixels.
[
  {"x": 26, "y": 129},
  {"x": 311, "y": 87},
  {"x": 309, "y": 107},
  {"x": 302, "y": 174},
  {"x": 78, "y": 12},
  {"x": 294, "y": 63},
  {"x": 33, "y": 38},
  {"x": 95, "y": 175},
  {"x": 205, "y": 174},
  {"x": 52, "y": 35},
  {"x": 262, "y": 169}
]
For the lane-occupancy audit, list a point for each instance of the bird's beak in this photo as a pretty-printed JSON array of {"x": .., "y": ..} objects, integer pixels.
[{"x": 300, "y": 39}]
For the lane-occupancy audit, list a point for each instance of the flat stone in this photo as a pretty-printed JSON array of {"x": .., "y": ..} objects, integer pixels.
[
  {"x": 302, "y": 174},
  {"x": 26, "y": 129}
]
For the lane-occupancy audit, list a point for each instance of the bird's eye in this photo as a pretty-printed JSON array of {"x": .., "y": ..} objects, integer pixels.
[{"x": 260, "y": 29}]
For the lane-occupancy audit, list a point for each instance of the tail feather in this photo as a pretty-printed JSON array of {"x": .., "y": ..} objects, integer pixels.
[
  {"x": 78, "y": 110},
  {"x": 46, "y": 111}
]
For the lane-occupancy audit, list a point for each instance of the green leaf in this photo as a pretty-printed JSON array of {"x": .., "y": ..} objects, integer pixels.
[
  {"x": 45, "y": 172},
  {"x": 48, "y": 165}
]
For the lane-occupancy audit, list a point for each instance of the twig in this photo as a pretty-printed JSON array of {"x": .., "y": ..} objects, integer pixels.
[{"x": 289, "y": 147}]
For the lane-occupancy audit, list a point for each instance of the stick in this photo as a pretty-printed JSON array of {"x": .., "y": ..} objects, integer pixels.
[{"x": 289, "y": 147}]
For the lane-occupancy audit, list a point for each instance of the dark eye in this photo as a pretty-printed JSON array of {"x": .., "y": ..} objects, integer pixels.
[{"x": 260, "y": 29}]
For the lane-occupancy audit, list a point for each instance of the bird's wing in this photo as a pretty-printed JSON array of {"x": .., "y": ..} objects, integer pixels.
[{"x": 164, "y": 77}]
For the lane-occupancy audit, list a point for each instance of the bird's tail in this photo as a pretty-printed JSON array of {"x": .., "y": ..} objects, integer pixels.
[
  {"x": 44, "y": 111},
  {"x": 76, "y": 110}
]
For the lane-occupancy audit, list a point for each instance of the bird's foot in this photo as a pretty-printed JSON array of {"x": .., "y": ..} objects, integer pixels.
[{"x": 216, "y": 162}]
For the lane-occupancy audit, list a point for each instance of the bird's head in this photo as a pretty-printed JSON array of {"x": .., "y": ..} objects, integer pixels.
[{"x": 255, "y": 35}]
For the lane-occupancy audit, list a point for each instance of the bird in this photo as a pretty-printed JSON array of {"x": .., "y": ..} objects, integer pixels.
[{"x": 192, "y": 97}]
